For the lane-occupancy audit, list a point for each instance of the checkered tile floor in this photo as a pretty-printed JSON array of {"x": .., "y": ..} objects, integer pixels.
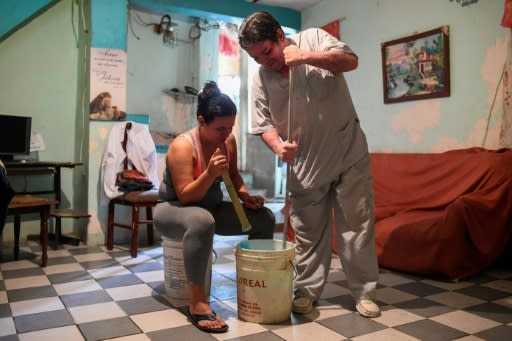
[{"x": 87, "y": 293}]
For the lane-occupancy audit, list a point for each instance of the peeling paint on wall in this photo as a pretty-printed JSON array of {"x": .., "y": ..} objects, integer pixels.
[
  {"x": 417, "y": 119},
  {"x": 475, "y": 138},
  {"x": 491, "y": 69}
]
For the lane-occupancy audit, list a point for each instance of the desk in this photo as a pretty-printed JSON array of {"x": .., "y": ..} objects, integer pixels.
[
  {"x": 32, "y": 168},
  {"x": 21, "y": 204}
]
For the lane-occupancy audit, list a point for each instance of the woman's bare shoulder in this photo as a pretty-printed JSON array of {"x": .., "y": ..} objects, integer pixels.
[{"x": 181, "y": 144}]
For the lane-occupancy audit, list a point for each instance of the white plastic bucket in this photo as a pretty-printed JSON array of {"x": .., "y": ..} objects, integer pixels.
[
  {"x": 175, "y": 279},
  {"x": 264, "y": 275}
]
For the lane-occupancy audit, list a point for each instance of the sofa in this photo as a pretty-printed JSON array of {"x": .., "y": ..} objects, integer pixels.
[
  {"x": 441, "y": 215},
  {"x": 446, "y": 215}
]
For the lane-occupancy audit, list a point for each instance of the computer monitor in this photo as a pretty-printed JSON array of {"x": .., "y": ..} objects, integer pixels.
[{"x": 14, "y": 136}]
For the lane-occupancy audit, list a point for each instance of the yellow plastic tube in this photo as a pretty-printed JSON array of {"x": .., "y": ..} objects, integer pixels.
[{"x": 246, "y": 226}]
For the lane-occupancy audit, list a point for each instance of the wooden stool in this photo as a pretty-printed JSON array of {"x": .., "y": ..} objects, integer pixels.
[
  {"x": 21, "y": 204},
  {"x": 58, "y": 214},
  {"x": 135, "y": 200}
]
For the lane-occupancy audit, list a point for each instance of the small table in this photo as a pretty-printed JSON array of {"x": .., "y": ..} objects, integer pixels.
[
  {"x": 21, "y": 204},
  {"x": 29, "y": 168}
]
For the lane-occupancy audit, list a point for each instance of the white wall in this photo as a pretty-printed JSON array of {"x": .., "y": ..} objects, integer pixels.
[
  {"x": 477, "y": 49},
  {"x": 154, "y": 67},
  {"x": 40, "y": 69}
]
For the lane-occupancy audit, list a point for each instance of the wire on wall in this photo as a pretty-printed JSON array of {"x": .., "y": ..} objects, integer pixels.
[
  {"x": 199, "y": 27},
  {"x": 82, "y": 13},
  {"x": 130, "y": 25},
  {"x": 75, "y": 33},
  {"x": 165, "y": 27},
  {"x": 80, "y": 21},
  {"x": 489, "y": 116},
  {"x": 80, "y": 5},
  {"x": 139, "y": 21}
]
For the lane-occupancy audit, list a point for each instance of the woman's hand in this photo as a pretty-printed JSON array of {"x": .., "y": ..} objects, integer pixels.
[
  {"x": 218, "y": 164},
  {"x": 252, "y": 202}
]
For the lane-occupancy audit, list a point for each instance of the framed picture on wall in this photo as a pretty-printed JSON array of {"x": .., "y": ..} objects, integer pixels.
[{"x": 417, "y": 66}]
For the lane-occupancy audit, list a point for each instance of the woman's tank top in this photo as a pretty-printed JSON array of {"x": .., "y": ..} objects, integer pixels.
[
  {"x": 214, "y": 194},
  {"x": 193, "y": 137}
]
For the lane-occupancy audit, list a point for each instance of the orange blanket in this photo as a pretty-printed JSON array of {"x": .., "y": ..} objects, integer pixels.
[{"x": 446, "y": 215}]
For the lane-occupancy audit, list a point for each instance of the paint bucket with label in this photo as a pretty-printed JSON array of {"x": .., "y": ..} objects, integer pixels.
[
  {"x": 175, "y": 279},
  {"x": 264, "y": 274}
]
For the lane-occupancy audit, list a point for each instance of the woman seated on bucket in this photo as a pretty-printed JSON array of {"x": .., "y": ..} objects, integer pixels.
[{"x": 192, "y": 210}]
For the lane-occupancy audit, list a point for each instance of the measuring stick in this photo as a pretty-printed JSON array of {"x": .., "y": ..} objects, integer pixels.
[
  {"x": 246, "y": 226},
  {"x": 289, "y": 131}
]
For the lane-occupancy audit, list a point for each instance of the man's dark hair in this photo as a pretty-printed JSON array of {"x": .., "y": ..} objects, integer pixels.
[
  {"x": 213, "y": 103},
  {"x": 257, "y": 27}
]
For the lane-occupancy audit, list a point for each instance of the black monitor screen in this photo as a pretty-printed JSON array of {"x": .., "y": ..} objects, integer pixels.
[{"x": 14, "y": 135}]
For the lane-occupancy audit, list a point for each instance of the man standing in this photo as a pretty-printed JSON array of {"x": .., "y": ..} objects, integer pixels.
[{"x": 327, "y": 152}]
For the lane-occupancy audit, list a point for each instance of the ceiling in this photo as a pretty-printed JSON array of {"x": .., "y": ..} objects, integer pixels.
[{"x": 298, "y": 5}]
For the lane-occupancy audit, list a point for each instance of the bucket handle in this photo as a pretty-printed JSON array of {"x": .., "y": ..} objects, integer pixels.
[
  {"x": 215, "y": 256},
  {"x": 295, "y": 272}
]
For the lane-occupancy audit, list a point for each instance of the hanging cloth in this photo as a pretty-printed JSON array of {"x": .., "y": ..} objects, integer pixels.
[
  {"x": 228, "y": 40},
  {"x": 506, "y": 120},
  {"x": 506, "y": 20}
]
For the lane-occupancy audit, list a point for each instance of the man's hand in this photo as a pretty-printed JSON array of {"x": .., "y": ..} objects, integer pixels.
[
  {"x": 294, "y": 55},
  {"x": 286, "y": 151},
  {"x": 334, "y": 60}
]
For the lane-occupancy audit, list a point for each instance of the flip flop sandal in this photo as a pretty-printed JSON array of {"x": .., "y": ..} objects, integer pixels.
[{"x": 196, "y": 318}]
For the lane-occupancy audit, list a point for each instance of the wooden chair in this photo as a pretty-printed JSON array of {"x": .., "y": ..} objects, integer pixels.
[{"x": 135, "y": 200}]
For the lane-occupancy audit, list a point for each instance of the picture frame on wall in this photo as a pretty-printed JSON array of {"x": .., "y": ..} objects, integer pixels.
[{"x": 417, "y": 66}]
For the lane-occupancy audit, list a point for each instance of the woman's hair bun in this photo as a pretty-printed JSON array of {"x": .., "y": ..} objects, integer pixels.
[
  {"x": 213, "y": 103},
  {"x": 210, "y": 89}
]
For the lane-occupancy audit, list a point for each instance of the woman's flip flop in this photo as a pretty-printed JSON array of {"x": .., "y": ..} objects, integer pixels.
[{"x": 196, "y": 318}]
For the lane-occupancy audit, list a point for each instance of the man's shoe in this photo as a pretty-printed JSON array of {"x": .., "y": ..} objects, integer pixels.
[
  {"x": 367, "y": 307},
  {"x": 302, "y": 305}
]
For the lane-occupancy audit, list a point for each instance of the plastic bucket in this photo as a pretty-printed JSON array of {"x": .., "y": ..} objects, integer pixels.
[
  {"x": 264, "y": 275},
  {"x": 175, "y": 279}
]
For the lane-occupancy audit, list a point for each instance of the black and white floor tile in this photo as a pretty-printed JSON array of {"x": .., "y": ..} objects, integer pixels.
[{"x": 89, "y": 293}]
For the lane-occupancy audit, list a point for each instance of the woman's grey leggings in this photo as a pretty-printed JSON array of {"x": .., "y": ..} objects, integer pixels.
[{"x": 196, "y": 226}]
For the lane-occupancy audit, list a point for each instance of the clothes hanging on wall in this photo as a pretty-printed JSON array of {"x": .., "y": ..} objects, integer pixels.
[
  {"x": 141, "y": 150},
  {"x": 506, "y": 20},
  {"x": 229, "y": 51},
  {"x": 228, "y": 40}
]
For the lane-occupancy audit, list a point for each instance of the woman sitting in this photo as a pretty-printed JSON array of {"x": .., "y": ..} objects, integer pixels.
[{"x": 193, "y": 210}]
